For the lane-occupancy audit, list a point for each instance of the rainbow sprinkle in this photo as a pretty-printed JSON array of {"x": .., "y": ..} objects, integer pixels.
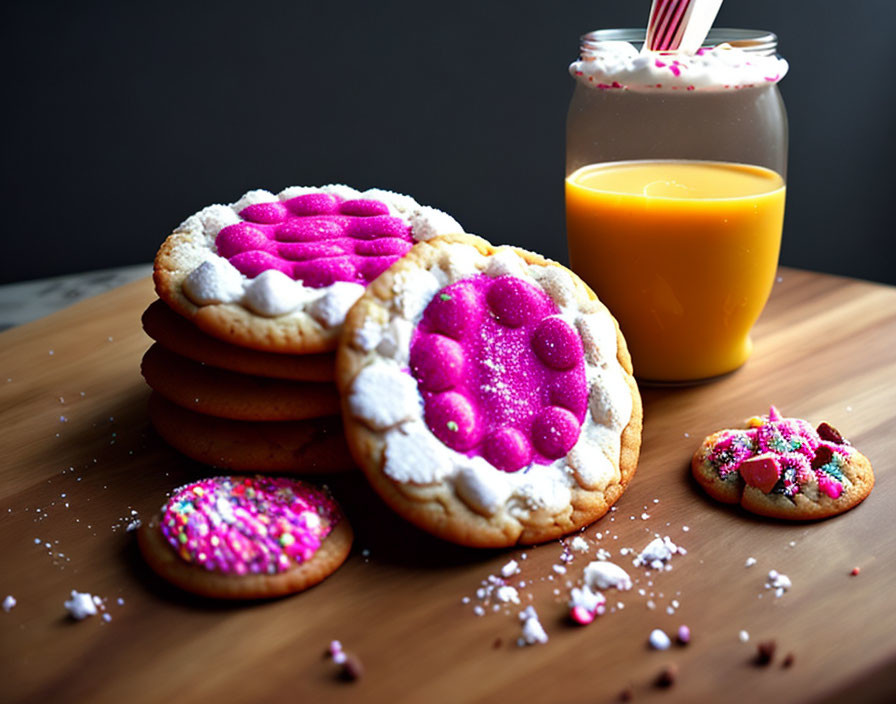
[
  {"x": 800, "y": 453},
  {"x": 247, "y": 525}
]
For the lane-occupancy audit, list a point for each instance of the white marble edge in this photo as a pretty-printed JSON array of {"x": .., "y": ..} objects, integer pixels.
[{"x": 25, "y": 301}]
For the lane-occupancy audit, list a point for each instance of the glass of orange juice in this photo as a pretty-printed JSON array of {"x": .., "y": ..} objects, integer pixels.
[{"x": 675, "y": 191}]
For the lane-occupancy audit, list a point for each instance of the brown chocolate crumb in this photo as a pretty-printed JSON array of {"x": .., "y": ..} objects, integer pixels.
[
  {"x": 627, "y": 694},
  {"x": 667, "y": 677},
  {"x": 828, "y": 432},
  {"x": 497, "y": 643},
  {"x": 765, "y": 652},
  {"x": 788, "y": 660},
  {"x": 352, "y": 669}
]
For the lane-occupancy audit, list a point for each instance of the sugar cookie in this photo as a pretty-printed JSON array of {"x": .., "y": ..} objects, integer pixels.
[
  {"x": 783, "y": 468},
  {"x": 313, "y": 446},
  {"x": 278, "y": 272},
  {"x": 246, "y": 537},
  {"x": 217, "y": 392},
  {"x": 179, "y": 335},
  {"x": 488, "y": 395}
]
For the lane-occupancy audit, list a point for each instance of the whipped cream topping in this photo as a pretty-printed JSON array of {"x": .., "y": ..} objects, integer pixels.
[
  {"x": 381, "y": 397},
  {"x": 213, "y": 279},
  {"x": 619, "y": 65}
]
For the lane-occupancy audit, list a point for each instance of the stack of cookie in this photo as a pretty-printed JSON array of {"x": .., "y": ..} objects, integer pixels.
[
  {"x": 252, "y": 297},
  {"x": 239, "y": 408}
]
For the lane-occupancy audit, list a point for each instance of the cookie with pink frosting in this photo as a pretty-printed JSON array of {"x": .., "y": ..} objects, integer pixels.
[
  {"x": 488, "y": 395},
  {"x": 278, "y": 272},
  {"x": 246, "y": 537},
  {"x": 783, "y": 468}
]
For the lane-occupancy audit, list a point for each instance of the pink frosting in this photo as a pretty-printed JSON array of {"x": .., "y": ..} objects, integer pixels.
[
  {"x": 317, "y": 238},
  {"x": 501, "y": 376},
  {"x": 247, "y": 525}
]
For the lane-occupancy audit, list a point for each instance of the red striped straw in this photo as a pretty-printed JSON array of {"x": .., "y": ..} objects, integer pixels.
[{"x": 680, "y": 25}]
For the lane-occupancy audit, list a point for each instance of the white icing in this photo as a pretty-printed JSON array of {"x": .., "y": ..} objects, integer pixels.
[
  {"x": 429, "y": 222},
  {"x": 412, "y": 292},
  {"x": 212, "y": 279},
  {"x": 383, "y": 410},
  {"x": 331, "y": 308},
  {"x": 592, "y": 463},
  {"x": 368, "y": 336},
  {"x": 272, "y": 293},
  {"x": 601, "y": 574},
  {"x": 506, "y": 262},
  {"x": 722, "y": 67},
  {"x": 481, "y": 488},
  {"x": 414, "y": 456},
  {"x": 395, "y": 340}
]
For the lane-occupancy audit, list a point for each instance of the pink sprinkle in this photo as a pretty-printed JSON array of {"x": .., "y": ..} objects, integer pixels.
[
  {"x": 659, "y": 64},
  {"x": 581, "y": 615},
  {"x": 243, "y": 525},
  {"x": 855, "y": 571},
  {"x": 684, "y": 635},
  {"x": 675, "y": 70}
]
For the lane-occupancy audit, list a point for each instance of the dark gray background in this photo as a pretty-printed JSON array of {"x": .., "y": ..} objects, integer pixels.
[{"x": 120, "y": 119}]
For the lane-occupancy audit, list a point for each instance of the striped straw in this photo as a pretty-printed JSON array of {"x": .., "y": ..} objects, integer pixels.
[{"x": 680, "y": 25}]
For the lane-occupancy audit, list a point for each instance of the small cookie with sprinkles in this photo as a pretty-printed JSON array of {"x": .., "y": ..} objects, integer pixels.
[
  {"x": 783, "y": 468},
  {"x": 246, "y": 537},
  {"x": 488, "y": 395},
  {"x": 278, "y": 272}
]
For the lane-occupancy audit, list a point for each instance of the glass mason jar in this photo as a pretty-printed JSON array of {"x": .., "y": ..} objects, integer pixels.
[{"x": 675, "y": 189}]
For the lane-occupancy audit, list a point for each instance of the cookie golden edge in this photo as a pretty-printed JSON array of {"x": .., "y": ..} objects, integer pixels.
[
  {"x": 289, "y": 334},
  {"x": 228, "y": 394},
  {"x": 195, "y": 579},
  {"x": 179, "y": 335},
  {"x": 430, "y": 507},
  {"x": 310, "y": 447},
  {"x": 800, "y": 508}
]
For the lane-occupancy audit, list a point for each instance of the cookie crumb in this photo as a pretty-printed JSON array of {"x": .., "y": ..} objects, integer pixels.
[
  {"x": 788, "y": 660},
  {"x": 497, "y": 643},
  {"x": 779, "y": 582},
  {"x": 81, "y": 605},
  {"x": 659, "y": 640},
  {"x": 667, "y": 676},
  {"x": 627, "y": 694},
  {"x": 765, "y": 652},
  {"x": 533, "y": 632},
  {"x": 510, "y": 569}
]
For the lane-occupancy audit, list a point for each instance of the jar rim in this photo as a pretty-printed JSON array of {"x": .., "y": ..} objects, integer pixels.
[{"x": 754, "y": 41}]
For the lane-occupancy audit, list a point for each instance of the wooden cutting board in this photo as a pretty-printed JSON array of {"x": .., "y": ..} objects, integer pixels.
[{"x": 80, "y": 462}]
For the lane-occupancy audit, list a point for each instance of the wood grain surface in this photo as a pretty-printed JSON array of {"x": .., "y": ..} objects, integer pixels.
[{"x": 79, "y": 461}]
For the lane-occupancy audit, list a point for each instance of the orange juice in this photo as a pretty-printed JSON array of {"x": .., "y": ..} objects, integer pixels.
[{"x": 683, "y": 253}]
